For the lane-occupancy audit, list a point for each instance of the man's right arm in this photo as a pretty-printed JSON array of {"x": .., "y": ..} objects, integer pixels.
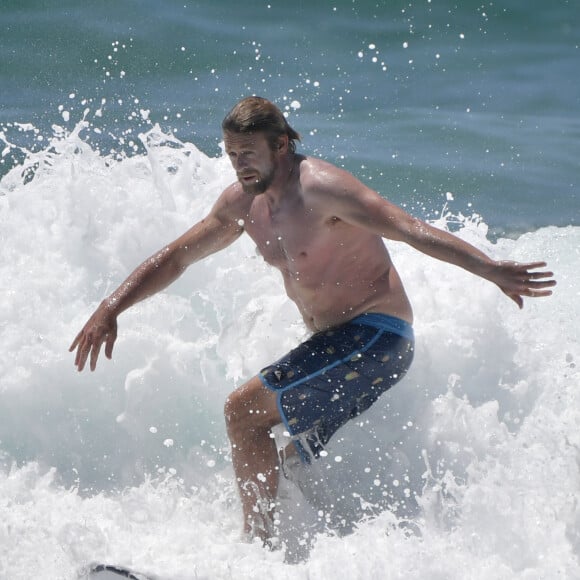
[{"x": 217, "y": 231}]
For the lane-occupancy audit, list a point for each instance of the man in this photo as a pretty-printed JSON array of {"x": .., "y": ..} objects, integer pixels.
[{"x": 323, "y": 229}]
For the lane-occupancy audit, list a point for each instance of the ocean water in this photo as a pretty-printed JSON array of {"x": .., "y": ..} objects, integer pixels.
[{"x": 467, "y": 115}]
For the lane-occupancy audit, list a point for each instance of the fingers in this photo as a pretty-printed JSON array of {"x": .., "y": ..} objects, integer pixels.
[
  {"x": 89, "y": 346},
  {"x": 528, "y": 276},
  {"x": 517, "y": 299},
  {"x": 536, "y": 293},
  {"x": 533, "y": 281},
  {"x": 532, "y": 265},
  {"x": 535, "y": 289},
  {"x": 540, "y": 285},
  {"x": 80, "y": 359},
  {"x": 95, "y": 354},
  {"x": 111, "y": 338},
  {"x": 85, "y": 347},
  {"x": 532, "y": 290},
  {"x": 100, "y": 328},
  {"x": 537, "y": 275},
  {"x": 75, "y": 341},
  {"x": 520, "y": 281}
]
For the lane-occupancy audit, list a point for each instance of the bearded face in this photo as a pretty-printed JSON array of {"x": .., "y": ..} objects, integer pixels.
[
  {"x": 255, "y": 182},
  {"x": 253, "y": 160}
]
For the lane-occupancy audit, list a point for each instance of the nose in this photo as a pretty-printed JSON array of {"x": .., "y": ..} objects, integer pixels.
[{"x": 238, "y": 164}]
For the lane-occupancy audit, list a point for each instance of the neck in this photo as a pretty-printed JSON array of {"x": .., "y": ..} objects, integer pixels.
[{"x": 280, "y": 187}]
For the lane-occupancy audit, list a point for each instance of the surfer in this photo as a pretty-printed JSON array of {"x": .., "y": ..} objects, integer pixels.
[{"x": 323, "y": 230}]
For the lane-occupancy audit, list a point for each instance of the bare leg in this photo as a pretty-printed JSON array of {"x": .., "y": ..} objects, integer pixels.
[{"x": 250, "y": 413}]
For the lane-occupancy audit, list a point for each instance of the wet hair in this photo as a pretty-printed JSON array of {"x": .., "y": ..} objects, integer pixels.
[{"x": 254, "y": 114}]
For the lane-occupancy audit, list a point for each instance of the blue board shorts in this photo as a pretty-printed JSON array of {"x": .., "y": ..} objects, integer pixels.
[{"x": 337, "y": 374}]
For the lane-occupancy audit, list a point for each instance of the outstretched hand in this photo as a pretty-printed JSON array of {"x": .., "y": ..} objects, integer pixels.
[
  {"x": 517, "y": 280},
  {"x": 100, "y": 328}
]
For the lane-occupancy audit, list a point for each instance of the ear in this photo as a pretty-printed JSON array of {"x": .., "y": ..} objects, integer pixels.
[{"x": 282, "y": 145}]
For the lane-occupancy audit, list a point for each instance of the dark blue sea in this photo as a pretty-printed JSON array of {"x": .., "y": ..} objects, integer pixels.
[
  {"x": 465, "y": 113},
  {"x": 480, "y": 99}
]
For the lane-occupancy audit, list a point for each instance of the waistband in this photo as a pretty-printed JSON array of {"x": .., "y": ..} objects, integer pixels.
[{"x": 386, "y": 322}]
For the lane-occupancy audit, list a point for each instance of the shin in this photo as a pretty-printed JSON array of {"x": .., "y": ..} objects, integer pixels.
[{"x": 250, "y": 413}]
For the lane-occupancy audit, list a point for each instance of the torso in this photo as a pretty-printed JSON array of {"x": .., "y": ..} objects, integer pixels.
[{"x": 332, "y": 270}]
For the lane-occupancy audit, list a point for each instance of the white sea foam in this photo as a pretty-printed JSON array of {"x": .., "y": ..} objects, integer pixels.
[{"x": 475, "y": 453}]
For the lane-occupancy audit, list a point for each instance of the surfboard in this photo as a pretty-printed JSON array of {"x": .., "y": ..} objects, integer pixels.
[{"x": 112, "y": 572}]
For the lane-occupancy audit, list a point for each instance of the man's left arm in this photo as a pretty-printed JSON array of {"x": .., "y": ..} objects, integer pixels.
[
  {"x": 514, "y": 279},
  {"x": 362, "y": 206}
]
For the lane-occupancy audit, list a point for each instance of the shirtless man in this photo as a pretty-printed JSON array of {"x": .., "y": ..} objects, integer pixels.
[{"x": 323, "y": 229}]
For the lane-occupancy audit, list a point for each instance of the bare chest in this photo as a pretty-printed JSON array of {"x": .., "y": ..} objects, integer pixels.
[{"x": 291, "y": 237}]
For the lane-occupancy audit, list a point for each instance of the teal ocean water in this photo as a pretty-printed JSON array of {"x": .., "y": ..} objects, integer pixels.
[
  {"x": 480, "y": 99},
  {"x": 466, "y": 113}
]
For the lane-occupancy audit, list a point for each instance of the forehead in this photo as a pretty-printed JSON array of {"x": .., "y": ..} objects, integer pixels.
[{"x": 244, "y": 140}]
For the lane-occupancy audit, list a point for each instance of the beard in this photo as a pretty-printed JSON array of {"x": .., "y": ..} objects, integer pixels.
[{"x": 260, "y": 184}]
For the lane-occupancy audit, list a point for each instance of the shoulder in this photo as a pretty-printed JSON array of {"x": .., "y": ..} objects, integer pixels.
[
  {"x": 316, "y": 171},
  {"x": 338, "y": 192},
  {"x": 325, "y": 180},
  {"x": 232, "y": 203}
]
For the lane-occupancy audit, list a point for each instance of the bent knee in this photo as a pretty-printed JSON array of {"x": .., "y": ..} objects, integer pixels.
[
  {"x": 234, "y": 407},
  {"x": 251, "y": 406}
]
